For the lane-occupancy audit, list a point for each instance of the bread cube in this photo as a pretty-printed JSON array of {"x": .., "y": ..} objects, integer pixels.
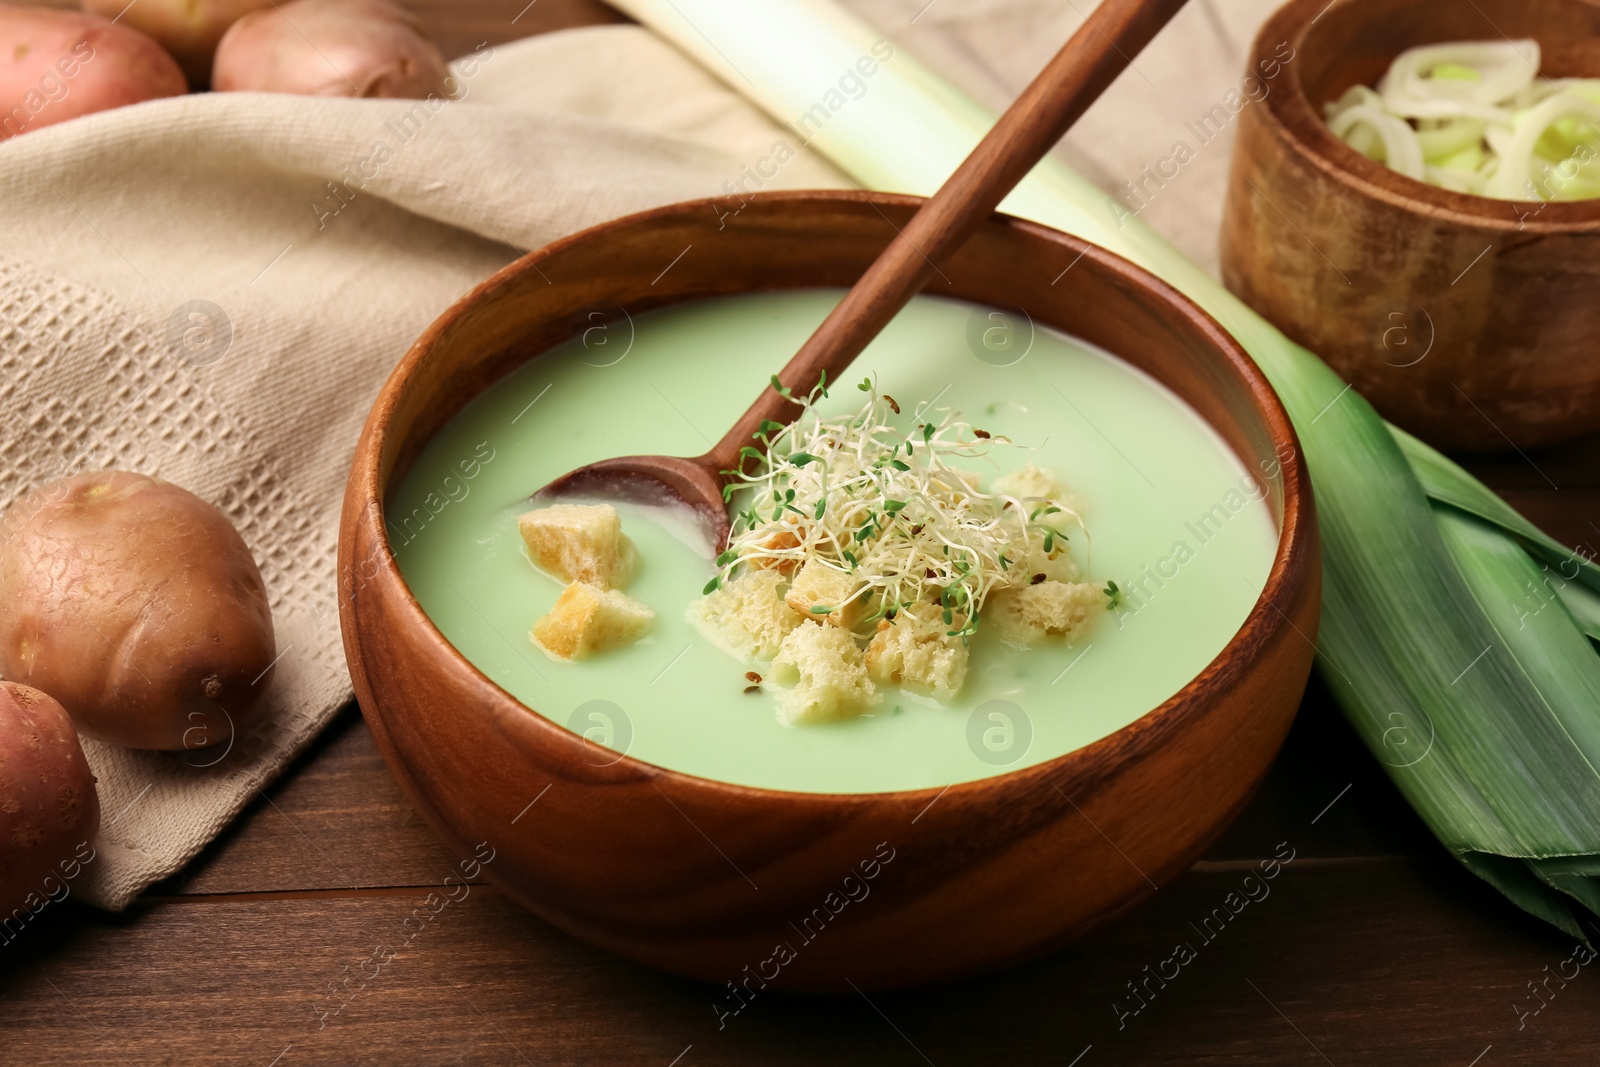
[
  {"x": 780, "y": 541},
  {"x": 918, "y": 655},
  {"x": 587, "y": 619},
  {"x": 819, "y": 585},
  {"x": 746, "y": 615},
  {"x": 1024, "y": 615},
  {"x": 825, "y": 665},
  {"x": 580, "y": 543},
  {"x": 1057, "y": 565}
]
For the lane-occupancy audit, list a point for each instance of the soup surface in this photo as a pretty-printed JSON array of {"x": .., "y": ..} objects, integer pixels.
[{"x": 1172, "y": 515}]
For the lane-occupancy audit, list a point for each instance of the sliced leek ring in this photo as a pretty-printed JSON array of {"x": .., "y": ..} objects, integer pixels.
[
  {"x": 1474, "y": 117},
  {"x": 1401, "y": 150}
]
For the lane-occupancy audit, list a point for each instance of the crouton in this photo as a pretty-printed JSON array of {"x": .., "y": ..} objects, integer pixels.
[
  {"x": 918, "y": 655},
  {"x": 1025, "y": 614},
  {"x": 819, "y": 585},
  {"x": 1029, "y": 482},
  {"x": 828, "y": 672},
  {"x": 580, "y": 543},
  {"x": 781, "y": 541},
  {"x": 1056, "y": 565},
  {"x": 746, "y": 615},
  {"x": 587, "y": 619}
]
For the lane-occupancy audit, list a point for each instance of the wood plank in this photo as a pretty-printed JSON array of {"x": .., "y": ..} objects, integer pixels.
[{"x": 1364, "y": 962}]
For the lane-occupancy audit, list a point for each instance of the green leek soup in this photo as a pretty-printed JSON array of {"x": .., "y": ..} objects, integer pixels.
[{"x": 1172, "y": 517}]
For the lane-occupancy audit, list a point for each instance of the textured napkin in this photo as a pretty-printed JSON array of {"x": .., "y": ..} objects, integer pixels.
[{"x": 211, "y": 289}]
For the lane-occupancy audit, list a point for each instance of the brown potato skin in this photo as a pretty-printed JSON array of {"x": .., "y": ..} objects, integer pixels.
[
  {"x": 138, "y": 606},
  {"x": 49, "y": 810}
]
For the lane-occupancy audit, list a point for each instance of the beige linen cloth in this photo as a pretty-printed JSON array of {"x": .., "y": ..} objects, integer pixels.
[{"x": 184, "y": 293}]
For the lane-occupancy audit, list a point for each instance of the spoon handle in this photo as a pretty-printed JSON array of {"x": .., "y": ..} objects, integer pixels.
[{"x": 1101, "y": 48}]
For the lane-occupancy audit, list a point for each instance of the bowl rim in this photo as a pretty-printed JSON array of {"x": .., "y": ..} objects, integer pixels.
[
  {"x": 1297, "y": 122},
  {"x": 1296, "y": 559}
]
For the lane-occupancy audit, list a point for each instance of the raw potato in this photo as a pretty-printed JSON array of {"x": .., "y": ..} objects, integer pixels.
[
  {"x": 365, "y": 48},
  {"x": 189, "y": 29},
  {"x": 49, "y": 810},
  {"x": 57, "y": 65},
  {"x": 138, "y": 606}
]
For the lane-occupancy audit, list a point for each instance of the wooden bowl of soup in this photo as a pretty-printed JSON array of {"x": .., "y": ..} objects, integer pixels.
[
  {"x": 1468, "y": 320},
  {"x": 641, "y": 800}
]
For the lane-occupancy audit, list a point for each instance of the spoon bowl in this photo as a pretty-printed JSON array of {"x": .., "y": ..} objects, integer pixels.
[{"x": 672, "y": 481}]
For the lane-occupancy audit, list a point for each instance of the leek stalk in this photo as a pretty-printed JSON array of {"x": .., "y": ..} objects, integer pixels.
[{"x": 1484, "y": 719}]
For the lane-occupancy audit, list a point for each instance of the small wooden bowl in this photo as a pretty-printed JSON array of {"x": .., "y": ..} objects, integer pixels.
[
  {"x": 1467, "y": 320},
  {"x": 663, "y": 867}
]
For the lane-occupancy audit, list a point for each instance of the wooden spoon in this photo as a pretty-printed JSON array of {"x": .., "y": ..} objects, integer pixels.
[{"x": 1080, "y": 72}]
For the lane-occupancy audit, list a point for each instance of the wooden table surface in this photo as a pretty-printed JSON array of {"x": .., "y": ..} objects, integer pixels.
[{"x": 283, "y": 943}]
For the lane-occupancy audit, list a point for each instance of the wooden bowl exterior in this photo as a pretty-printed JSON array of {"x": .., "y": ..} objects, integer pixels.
[
  {"x": 1467, "y": 320},
  {"x": 708, "y": 879}
]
